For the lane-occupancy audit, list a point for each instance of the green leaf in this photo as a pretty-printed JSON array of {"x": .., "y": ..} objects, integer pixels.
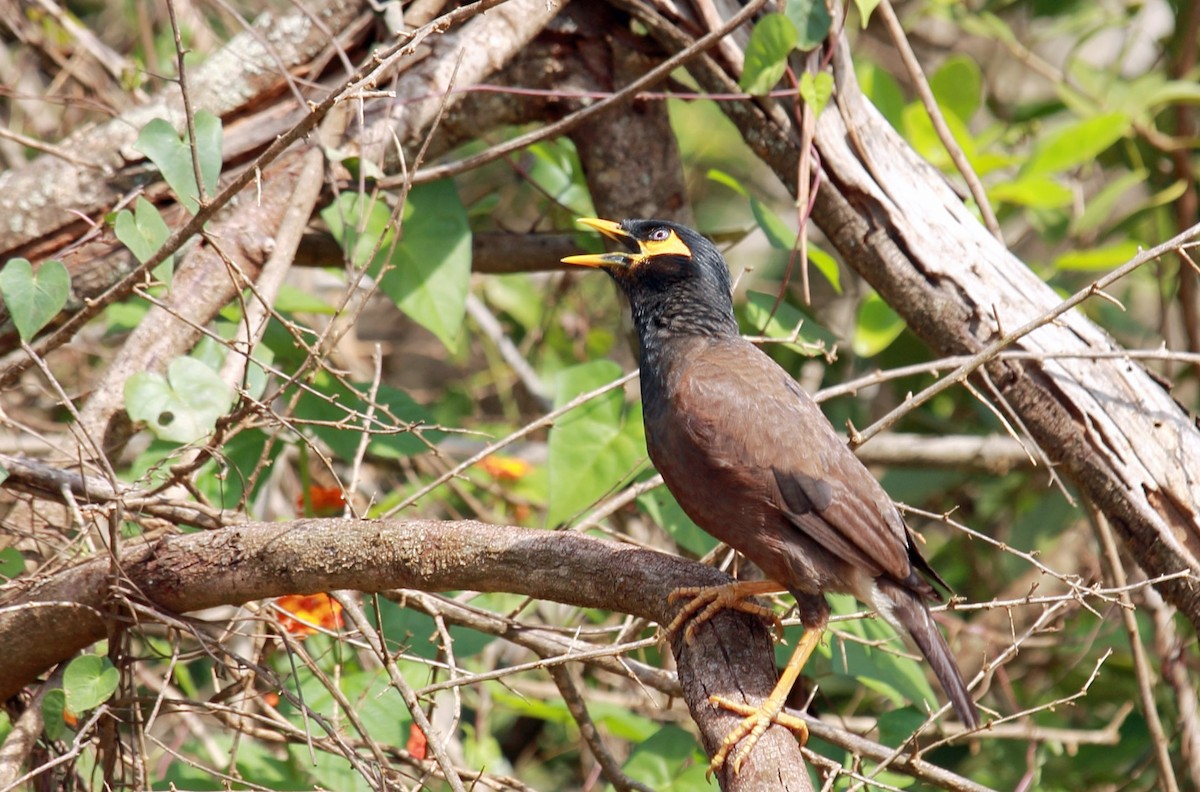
[
  {"x": 33, "y": 299},
  {"x": 826, "y": 265},
  {"x": 1167, "y": 195},
  {"x": 815, "y": 89},
  {"x": 1173, "y": 92},
  {"x": 54, "y": 706},
  {"x": 1101, "y": 258},
  {"x": 883, "y": 91},
  {"x": 556, "y": 170},
  {"x": 919, "y": 130},
  {"x": 878, "y": 326},
  {"x": 183, "y": 406},
  {"x": 865, "y": 9},
  {"x": 360, "y": 224},
  {"x": 430, "y": 265},
  {"x": 551, "y": 710},
  {"x": 811, "y": 20},
  {"x": 1036, "y": 192},
  {"x": 721, "y": 177},
  {"x": 144, "y": 231},
  {"x": 660, "y": 506},
  {"x": 123, "y": 317},
  {"x": 293, "y": 300},
  {"x": 376, "y": 705},
  {"x": 771, "y": 41},
  {"x": 901, "y": 679},
  {"x": 670, "y": 760},
  {"x": 172, "y": 155},
  {"x": 225, "y": 477},
  {"x": 208, "y": 147},
  {"x": 782, "y": 237},
  {"x": 518, "y": 297},
  {"x": 987, "y": 25},
  {"x": 88, "y": 681},
  {"x": 778, "y": 232},
  {"x": 957, "y": 86},
  {"x": 257, "y": 759},
  {"x": 899, "y": 725},
  {"x": 622, "y": 722},
  {"x": 787, "y": 318},
  {"x": 12, "y": 563},
  {"x": 1101, "y": 205},
  {"x": 594, "y": 447},
  {"x": 1076, "y": 144}
]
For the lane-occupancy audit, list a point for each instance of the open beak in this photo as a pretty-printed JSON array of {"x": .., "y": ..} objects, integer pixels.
[{"x": 614, "y": 232}]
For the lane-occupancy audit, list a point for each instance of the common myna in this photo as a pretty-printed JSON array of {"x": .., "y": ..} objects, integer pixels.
[{"x": 753, "y": 461}]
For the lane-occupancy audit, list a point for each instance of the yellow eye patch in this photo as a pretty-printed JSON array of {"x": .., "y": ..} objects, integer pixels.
[{"x": 672, "y": 245}]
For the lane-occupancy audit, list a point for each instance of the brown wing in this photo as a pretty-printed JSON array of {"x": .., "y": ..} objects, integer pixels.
[{"x": 764, "y": 423}]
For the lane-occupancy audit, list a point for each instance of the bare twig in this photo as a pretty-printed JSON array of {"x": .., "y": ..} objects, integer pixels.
[
  {"x": 1175, "y": 672},
  {"x": 917, "y": 75},
  {"x": 591, "y": 735},
  {"x": 362, "y": 624},
  {"x": 1141, "y": 663},
  {"x": 188, "y": 111}
]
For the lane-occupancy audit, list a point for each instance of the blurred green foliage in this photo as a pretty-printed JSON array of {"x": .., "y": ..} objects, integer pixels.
[{"x": 1074, "y": 166}]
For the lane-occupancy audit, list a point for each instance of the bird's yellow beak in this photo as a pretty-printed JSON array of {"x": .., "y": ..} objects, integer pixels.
[{"x": 613, "y": 231}]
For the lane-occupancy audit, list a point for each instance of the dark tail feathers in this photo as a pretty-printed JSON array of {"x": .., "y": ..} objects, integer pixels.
[{"x": 910, "y": 612}]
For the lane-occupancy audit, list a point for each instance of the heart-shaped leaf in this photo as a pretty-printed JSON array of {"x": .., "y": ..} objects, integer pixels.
[
  {"x": 172, "y": 155},
  {"x": 144, "y": 231},
  {"x": 183, "y": 406},
  {"x": 772, "y": 39},
  {"x": 812, "y": 21},
  {"x": 89, "y": 681},
  {"x": 816, "y": 89},
  {"x": 33, "y": 299}
]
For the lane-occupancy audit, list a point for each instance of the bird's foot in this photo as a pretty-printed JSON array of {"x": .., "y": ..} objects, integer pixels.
[
  {"x": 758, "y": 720},
  {"x": 706, "y": 601}
]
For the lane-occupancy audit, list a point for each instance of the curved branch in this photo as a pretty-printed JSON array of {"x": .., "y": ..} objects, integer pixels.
[{"x": 732, "y": 655}]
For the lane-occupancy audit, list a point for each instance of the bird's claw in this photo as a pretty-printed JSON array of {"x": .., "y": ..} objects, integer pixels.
[
  {"x": 750, "y": 730},
  {"x": 706, "y": 601}
]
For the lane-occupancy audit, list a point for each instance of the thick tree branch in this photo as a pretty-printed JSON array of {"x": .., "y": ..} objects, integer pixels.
[{"x": 732, "y": 654}]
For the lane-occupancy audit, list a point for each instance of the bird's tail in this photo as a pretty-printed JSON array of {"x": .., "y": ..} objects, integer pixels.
[{"x": 911, "y": 613}]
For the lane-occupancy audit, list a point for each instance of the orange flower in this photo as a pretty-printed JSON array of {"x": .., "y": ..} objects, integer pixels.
[
  {"x": 311, "y": 611},
  {"x": 503, "y": 468},
  {"x": 417, "y": 744},
  {"x": 326, "y": 501}
]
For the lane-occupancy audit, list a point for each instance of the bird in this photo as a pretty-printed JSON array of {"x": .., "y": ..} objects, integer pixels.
[{"x": 753, "y": 461}]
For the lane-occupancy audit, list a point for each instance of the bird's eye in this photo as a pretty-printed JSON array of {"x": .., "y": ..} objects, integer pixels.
[{"x": 660, "y": 235}]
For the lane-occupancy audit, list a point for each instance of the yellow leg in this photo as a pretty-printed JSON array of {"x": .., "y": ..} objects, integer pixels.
[
  {"x": 709, "y": 600},
  {"x": 759, "y": 718}
]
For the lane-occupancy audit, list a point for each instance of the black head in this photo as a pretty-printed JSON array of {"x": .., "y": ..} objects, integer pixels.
[{"x": 675, "y": 279}]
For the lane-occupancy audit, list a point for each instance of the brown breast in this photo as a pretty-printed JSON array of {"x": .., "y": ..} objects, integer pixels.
[{"x": 754, "y": 462}]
